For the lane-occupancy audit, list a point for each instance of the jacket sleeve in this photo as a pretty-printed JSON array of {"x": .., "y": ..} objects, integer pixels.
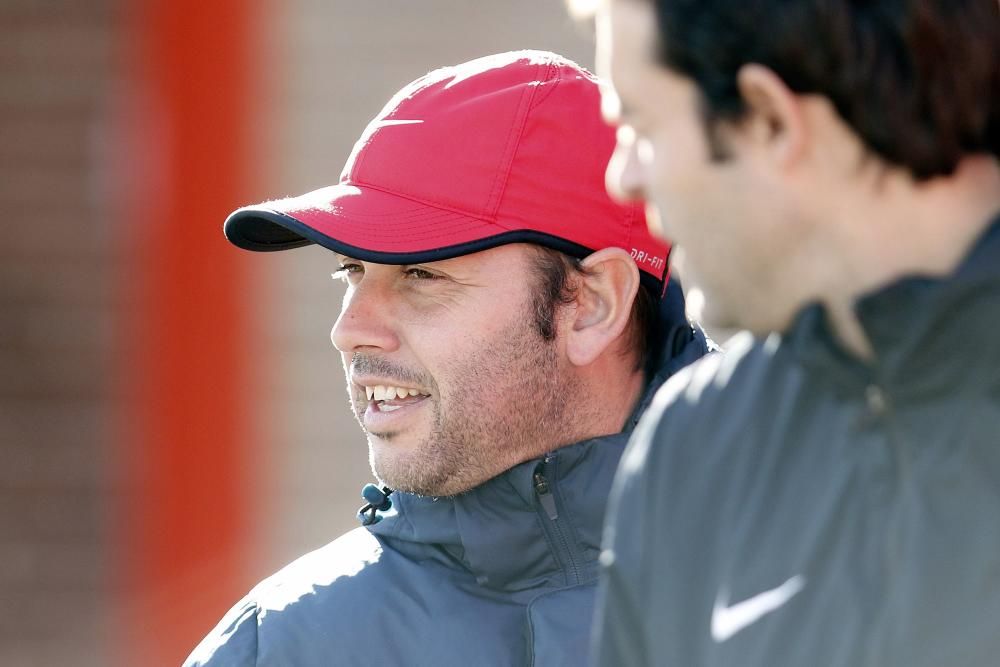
[{"x": 233, "y": 642}]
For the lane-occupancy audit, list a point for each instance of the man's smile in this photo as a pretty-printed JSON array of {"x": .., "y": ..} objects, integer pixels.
[
  {"x": 385, "y": 394},
  {"x": 387, "y": 407}
]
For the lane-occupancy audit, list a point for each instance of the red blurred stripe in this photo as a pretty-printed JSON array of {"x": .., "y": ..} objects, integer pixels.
[{"x": 188, "y": 454}]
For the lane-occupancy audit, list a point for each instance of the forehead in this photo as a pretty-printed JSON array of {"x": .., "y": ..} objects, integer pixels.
[{"x": 626, "y": 32}]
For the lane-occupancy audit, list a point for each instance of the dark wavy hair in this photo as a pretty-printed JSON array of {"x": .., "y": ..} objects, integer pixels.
[{"x": 917, "y": 80}]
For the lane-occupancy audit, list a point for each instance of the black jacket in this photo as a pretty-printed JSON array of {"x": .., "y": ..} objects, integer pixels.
[
  {"x": 504, "y": 574},
  {"x": 784, "y": 504}
]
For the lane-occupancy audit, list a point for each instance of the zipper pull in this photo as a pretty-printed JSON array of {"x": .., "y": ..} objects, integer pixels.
[{"x": 545, "y": 496}]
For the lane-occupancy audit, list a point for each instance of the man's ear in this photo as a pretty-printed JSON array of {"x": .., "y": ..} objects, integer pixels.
[
  {"x": 774, "y": 124},
  {"x": 603, "y": 304}
]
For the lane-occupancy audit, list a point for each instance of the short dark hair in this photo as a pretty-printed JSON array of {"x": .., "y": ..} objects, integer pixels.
[
  {"x": 555, "y": 287},
  {"x": 917, "y": 80}
]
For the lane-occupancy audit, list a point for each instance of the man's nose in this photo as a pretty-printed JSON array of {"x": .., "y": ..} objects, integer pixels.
[
  {"x": 365, "y": 322},
  {"x": 625, "y": 177}
]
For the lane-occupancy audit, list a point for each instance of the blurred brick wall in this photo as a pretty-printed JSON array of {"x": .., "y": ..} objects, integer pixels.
[
  {"x": 56, "y": 322},
  {"x": 329, "y": 66}
]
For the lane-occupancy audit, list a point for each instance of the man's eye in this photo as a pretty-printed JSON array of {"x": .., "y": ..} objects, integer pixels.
[
  {"x": 419, "y": 274},
  {"x": 347, "y": 272}
]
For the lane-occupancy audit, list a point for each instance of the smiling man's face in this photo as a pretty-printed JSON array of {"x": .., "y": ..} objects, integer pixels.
[{"x": 448, "y": 374}]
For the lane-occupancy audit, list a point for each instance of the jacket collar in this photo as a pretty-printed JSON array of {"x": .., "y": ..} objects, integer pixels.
[
  {"x": 496, "y": 531},
  {"x": 924, "y": 330}
]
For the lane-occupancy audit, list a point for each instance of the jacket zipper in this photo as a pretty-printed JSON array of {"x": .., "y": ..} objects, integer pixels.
[
  {"x": 543, "y": 490},
  {"x": 880, "y": 407}
]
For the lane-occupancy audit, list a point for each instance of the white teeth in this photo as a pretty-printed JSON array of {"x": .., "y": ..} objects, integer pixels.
[{"x": 388, "y": 393}]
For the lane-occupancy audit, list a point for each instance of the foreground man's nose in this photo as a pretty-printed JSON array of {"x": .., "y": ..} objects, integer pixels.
[{"x": 625, "y": 177}]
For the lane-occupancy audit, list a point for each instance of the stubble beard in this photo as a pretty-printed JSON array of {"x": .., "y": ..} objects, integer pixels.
[{"x": 505, "y": 404}]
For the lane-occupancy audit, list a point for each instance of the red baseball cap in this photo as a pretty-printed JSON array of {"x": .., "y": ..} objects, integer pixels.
[{"x": 503, "y": 149}]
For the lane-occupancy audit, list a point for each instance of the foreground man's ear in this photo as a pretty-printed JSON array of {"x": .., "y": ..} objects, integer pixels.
[
  {"x": 600, "y": 312},
  {"x": 774, "y": 122}
]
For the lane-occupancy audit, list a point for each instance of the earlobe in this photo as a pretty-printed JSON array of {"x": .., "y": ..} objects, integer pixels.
[
  {"x": 775, "y": 122},
  {"x": 608, "y": 286}
]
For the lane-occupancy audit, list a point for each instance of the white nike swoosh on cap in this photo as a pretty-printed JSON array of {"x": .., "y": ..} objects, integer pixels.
[
  {"x": 728, "y": 620},
  {"x": 395, "y": 121}
]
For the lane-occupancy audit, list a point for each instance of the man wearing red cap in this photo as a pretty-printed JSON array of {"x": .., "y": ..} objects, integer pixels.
[{"x": 505, "y": 323}]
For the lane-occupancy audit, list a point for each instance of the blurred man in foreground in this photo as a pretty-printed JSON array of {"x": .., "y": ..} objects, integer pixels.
[
  {"x": 504, "y": 324},
  {"x": 827, "y": 493}
]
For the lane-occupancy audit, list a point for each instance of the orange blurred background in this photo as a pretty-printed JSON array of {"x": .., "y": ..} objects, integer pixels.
[{"x": 173, "y": 423}]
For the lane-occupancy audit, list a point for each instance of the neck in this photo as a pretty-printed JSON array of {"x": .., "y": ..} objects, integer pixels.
[
  {"x": 599, "y": 401},
  {"x": 613, "y": 392},
  {"x": 898, "y": 227}
]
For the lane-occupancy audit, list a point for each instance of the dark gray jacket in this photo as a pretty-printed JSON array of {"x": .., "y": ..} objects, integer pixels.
[
  {"x": 502, "y": 575},
  {"x": 784, "y": 504}
]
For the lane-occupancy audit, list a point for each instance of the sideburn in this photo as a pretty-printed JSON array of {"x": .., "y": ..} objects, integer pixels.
[{"x": 552, "y": 289}]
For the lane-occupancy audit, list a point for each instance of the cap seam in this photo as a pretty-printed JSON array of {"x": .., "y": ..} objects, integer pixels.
[
  {"x": 554, "y": 69},
  {"x": 440, "y": 207},
  {"x": 514, "y": 136},
  {"x": 415, "y": 216}
]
